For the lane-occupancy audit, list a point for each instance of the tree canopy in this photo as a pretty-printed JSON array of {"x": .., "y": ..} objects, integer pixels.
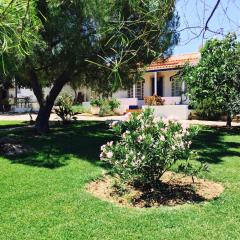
[
  {"x": 104, "y": 44},
  {"x": 216, "y": 78}
]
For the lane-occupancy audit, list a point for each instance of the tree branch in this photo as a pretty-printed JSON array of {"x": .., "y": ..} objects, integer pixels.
[{"x": 210, "y": 16}]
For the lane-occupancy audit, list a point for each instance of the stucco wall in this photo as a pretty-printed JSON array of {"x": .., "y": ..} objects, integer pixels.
[
  {"x": 121, "y": 94},
  {"x": 167, "y": 84}
]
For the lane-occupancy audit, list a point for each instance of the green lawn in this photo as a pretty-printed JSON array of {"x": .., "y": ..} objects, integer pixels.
[
  {"x": 11, "y": 123},
  {"x": 42, "y": 194}
]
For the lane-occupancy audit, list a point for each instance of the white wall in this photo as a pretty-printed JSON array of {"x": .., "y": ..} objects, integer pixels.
[
  {"x": 167, "y": 84},
  {"x": 178, "y": 112},
  {"x": 121, "y": 94}
]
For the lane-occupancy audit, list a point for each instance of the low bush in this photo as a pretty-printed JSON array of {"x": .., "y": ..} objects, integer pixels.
[
  {"x": 207, "y": 109},
  {"x": 113, "y": 104},
  {"x": 64, "y": 108},
  {"x": 79, "y": 108},
  {"x": 147, "y": 148},
  {"x": 107, "y": 106},
  {"x": 96, "y": 102}
]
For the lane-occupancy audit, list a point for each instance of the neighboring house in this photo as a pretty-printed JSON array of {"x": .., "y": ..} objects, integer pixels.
[{"x": 158, "y": 80}]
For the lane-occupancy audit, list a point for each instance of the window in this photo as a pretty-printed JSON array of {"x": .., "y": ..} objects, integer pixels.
[
  {"x": 176, "y": 87},
  {"x": 139, "y": 90}
]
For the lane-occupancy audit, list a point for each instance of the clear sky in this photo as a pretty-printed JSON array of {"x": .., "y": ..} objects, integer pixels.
[{"x": 194, "y": 13}]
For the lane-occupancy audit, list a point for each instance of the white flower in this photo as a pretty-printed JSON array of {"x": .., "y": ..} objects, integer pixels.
[
  {"x": 189, "y": 144},
  {"x": 114, "y": 123},
  {"x": 125, "y": 133},
  {"x": 173, "y": 148},
  {"x": 109, "y": 154},
  {"x": 162, "y": 138},
  {"x": 103, "y": 147},
  {"x": 140, "y": 138},
  {"x": 181, "y": 145}
]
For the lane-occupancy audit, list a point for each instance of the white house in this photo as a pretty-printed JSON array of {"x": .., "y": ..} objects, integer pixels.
[{"x": 158, "y": 80}]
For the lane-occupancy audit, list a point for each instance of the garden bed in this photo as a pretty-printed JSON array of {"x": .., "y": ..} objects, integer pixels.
[{"x": 175, "y": 189}]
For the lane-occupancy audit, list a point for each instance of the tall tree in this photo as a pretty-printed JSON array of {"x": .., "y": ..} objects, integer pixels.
[
  {"x": 98, "y": 42},
  {"x": 216, "y": 78}
]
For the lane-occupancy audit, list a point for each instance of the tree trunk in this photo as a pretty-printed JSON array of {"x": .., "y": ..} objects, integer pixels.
[
  {"x": 42, "y": 121},
  {"x": 46, "y": 105},
  {"x": 229, "y": 120}
]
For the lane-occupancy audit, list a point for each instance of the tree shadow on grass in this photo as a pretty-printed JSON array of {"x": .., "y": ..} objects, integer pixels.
[
  {"x": 80, "y": 140},
  {"x": 212, "y": 147},
  {"x": 83, "y": 140},
  {"x": 168, "y": 194}
]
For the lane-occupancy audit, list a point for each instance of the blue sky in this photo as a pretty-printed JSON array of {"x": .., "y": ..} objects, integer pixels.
[{"x": 194, "y": 13}]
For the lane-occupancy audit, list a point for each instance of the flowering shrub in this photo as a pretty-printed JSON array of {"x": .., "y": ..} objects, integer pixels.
[{"x": 147, "y": 148}]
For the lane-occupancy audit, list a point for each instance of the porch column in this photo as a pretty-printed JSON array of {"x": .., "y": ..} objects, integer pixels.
[
  {"x": 155, "y": 83},
  {"x": 134, "y": 90},
  {"x": 183, "y": 86}
]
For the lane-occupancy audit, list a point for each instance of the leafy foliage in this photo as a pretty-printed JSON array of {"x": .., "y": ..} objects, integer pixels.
[
  {"x": 208, "y": 109},
  {"x": 64, "y": 108},
  {"x": 216, "y": 78},
  {"x": 18, "y": 27},
  {"x": 146, "y": 148},
  {"x": 102, "y": 44},
  {"x": 106, "y": 105}
]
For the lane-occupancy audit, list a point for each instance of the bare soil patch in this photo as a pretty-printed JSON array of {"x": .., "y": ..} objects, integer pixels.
[
  {"x": 175, "y": 189},
  {"x": 11, "y": 147}
]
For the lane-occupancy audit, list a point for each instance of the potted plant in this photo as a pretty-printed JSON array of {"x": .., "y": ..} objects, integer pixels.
[
  {"x": 96, "y": 104},
  {"x": 114, "y": 104}
]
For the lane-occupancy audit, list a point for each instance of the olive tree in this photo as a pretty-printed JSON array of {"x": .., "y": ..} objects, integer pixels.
[{"x": 216, "y": 78}]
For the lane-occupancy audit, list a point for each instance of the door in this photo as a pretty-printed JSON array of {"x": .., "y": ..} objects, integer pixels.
[{"x": 159, "y": 86}]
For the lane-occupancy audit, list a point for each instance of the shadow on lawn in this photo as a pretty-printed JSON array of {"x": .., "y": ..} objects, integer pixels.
[
  {"x": 211, "y": 146},
  {"x": 82, "y": 140}
]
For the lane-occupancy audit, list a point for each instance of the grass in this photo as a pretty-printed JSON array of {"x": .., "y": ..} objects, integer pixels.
[
  {"x": 11, "y": 123},
  {"x": 42, "y": 194}
]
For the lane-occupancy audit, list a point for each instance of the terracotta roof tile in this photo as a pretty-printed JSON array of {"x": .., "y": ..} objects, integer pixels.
[{"x": 175, "y": 61}]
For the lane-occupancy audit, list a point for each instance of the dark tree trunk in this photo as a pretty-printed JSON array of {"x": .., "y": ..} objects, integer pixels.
[
  {"x": 42, "y": 121},
  {"x": 1, "y": 101},
  {"x": 46, "y": 104},
  {"x": 229, "y": 120}
]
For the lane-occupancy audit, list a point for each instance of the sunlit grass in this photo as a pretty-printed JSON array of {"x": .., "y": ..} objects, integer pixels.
[{"x": 42, "y": 194}]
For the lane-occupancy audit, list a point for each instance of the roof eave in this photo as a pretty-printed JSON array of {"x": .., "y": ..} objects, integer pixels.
[{"x": 164, "y": 69}]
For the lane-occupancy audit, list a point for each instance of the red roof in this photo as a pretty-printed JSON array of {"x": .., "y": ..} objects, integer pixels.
[{"x": 174, "y": 62}]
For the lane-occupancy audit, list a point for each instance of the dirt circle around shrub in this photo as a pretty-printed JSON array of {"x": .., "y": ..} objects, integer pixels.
[{"x": 175, "y": 190}]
